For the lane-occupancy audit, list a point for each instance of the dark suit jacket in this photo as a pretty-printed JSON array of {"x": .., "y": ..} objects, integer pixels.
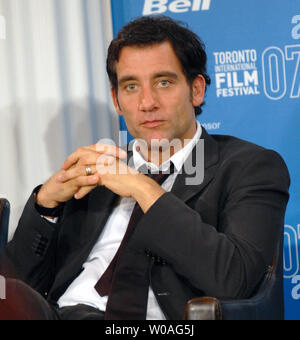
[{"x": 216, "y": 238}]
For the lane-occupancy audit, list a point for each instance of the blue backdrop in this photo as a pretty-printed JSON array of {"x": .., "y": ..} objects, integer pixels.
[{"x": 253, "y": 52}]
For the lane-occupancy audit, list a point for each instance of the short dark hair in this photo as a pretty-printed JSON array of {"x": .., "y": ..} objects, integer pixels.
[{"x": 150, "y": 30}]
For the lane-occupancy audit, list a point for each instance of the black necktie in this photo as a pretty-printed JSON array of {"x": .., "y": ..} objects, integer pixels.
[{"x": 128, "y": 290}]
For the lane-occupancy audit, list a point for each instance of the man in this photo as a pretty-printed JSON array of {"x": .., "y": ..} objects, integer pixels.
[{"x": 216, "y": 237}]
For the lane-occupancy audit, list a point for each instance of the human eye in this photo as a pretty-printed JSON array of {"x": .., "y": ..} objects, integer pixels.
[
  {"x": 164, "y": 83},
  {"x": 130, "y": 87}
]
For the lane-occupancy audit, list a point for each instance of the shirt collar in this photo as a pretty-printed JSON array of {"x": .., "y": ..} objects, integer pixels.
[{"x": 177, "y": 159}]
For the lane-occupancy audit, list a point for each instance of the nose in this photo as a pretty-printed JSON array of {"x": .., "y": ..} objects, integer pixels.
[{"x": 148, "y": 100}]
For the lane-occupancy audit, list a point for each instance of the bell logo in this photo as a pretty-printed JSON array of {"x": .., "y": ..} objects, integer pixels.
[{"x": 177, "y": 6}]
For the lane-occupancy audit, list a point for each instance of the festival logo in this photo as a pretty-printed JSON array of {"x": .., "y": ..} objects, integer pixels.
[
  {"x": 236, "y": 73},
  {"x": 296, "y": 27},
  {"x": 275, "y": 62},
  {"x": 291, "y": 259}
]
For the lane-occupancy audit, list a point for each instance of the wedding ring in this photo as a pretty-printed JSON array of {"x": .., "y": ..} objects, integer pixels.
[{"x": 88, "y": 170}]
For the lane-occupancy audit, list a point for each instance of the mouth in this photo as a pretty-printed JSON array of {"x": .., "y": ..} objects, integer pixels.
[{"x": 152, "y": 123}]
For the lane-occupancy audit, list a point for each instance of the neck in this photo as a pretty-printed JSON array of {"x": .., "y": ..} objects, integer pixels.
[{"x": 161, "y": 151}]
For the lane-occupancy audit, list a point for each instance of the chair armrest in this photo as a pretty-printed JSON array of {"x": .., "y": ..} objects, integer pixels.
[
  {"x": 256, "y": 308},
  {"x": 203, "y": 308},
  {"x": 266, "y": 303}
]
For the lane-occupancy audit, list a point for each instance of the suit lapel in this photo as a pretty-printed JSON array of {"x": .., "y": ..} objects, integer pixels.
[{"x": 211, "y": 159}]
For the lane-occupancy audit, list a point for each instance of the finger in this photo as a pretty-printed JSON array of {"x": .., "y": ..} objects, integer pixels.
[
  {"x": 90, "y": 158},
  {"x": 83, "y": 181},
  {"x": 77, "y": 171},
  {"x": 93, "y": 157},
  {"x": 83, "y": 159},
  {"x": 109, "y": 156},
  {"x": 88, "y": 154},
  {"x": 83, "y": 191},
  {"x": 75, "y": 156},
  {"x": 111, "y": 150},
  {"x": 117, "y": 167},
  {"x": 105, "y": 160},
  {"x": 81, "y": 170}
]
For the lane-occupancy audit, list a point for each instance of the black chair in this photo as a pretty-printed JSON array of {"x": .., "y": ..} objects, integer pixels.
[
  {"x": 266, "y": 303},
  {"x": 4, "y": 219}
]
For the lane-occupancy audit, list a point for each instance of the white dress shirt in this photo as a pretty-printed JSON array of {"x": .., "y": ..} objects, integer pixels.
[{"x": 81, "y": 290}]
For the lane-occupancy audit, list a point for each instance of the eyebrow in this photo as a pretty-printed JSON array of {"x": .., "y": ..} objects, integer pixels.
[
  {"x": 160, "y": 74},
  {"x": 124, "y": 79},
  {"x": 166, "y": 74}
]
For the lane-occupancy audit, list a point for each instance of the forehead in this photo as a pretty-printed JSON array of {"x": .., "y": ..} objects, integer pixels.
[{"x": 146, "y": 60}]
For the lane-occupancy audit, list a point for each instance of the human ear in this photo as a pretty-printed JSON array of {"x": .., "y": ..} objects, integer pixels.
[
  {"x": 116, "y": 103},
  {"x": 198, "y": 90}
]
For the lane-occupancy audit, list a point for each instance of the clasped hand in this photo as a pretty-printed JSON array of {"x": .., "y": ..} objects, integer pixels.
[{"x": 108, "y": 169}]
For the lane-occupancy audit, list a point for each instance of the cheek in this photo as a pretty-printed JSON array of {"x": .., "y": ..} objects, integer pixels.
[
  {"x": 180, "y": 111},
  {"x": 131, "y": 121},
  {"x": 127, "y": 110},
  {"x": 179, "y": 101}
]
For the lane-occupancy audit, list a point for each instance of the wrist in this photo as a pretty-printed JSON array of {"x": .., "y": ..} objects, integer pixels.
[
  {"x": 147, "y": 193},
  {"x": 46, "y": 208},
  {"x": 43, "y": 201}
]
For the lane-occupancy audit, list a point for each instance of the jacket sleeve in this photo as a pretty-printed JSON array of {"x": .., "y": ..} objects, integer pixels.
[
  {"x": 228, "y": 259},
  {"x": 30, "y": 256}
]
